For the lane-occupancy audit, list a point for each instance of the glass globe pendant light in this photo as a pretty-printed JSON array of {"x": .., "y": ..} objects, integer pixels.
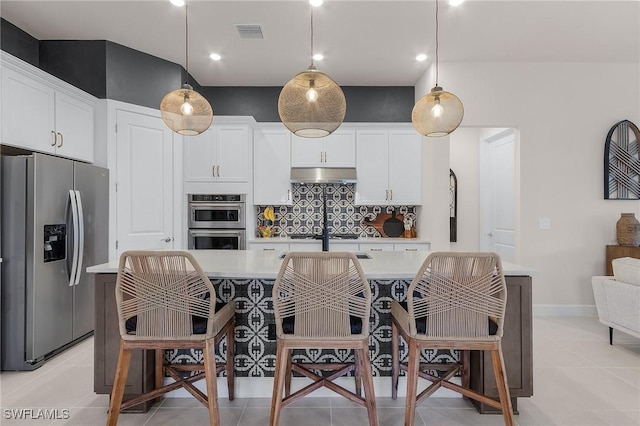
[
  {"x": 439, "y": 112},
  {"x": 311, "y": 104},
  {"x": 184, "y": 110}
]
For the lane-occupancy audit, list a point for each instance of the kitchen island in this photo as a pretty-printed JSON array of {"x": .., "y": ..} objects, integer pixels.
[{"x": 247, "y": 277}]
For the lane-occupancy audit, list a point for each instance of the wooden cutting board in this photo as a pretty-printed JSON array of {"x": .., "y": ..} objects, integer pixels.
[{"x": 378, "y": 222}]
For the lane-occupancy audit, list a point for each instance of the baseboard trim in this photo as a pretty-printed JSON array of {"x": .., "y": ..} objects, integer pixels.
[
  {"x": 565, "y": 311},
  {"x": 262, "y": 387}
]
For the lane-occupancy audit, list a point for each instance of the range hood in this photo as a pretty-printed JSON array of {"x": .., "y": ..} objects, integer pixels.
[{"x": 323, "y": 175}]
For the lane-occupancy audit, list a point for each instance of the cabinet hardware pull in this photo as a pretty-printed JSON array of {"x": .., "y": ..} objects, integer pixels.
[
  {"x": 391, "y": 194},
  {"x": 375, "y": 249},
  {"x": 325, "y": 156},
  {"x": 213, "y": 170},
  {"x": 413, "y": 249},
  {"x": 61, "y": 140},
  {"x": 166, "y": 240},
  {"x": 268, "y": 249},
  {"x": 55, "y": 138},
  {"x": 321, "y": 156},
  {"x": 218, "y": 170},
  {"x": 288, "y": 195},
  {"x": 386, "y": 197}
]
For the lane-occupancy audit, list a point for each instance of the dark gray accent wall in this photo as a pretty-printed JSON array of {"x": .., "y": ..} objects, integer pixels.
[
  {"x": 364, "y": 103},
  {"x": 18, "y": 43},
  {"x": 259, "y": 102},
  {"x": 110, "y": 70},
  {"x": 138, "y": 78},
  {"x": 81, "y": 63}
]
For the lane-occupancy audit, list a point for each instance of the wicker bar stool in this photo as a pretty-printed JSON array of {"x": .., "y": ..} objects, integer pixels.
[
  {"x": 165, "y": 301},
  {"x": 456, "y": 301},
  {"x": 322, "y": 300}
]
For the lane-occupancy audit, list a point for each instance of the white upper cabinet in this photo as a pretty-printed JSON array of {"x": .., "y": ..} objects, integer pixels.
[
  {"x": 389, "y": 167},
  {"x": 44, "y": 114},
  {"x": 220, "y": 154},
  {"x": 336, "y": 150},
  {"x": 271, "y": 166}
]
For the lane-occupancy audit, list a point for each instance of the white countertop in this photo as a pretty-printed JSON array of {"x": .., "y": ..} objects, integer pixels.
[
  {"x": 266, "y": 264},
  {"x": 373, "y": 240}
]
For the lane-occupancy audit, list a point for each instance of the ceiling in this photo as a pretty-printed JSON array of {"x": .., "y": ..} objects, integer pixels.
[{"x": 365, "y": 43}]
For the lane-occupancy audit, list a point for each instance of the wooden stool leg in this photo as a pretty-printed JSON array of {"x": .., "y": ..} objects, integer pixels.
[
  {"x": 465, "y": 359},
  {"x": 209, "y": 354},
  {"x": 120, "y": 381},
  {"x": 395, "y": 360},
  {"x": 282, "y": 355},
  {"x": 412, "y": 383},
  {"x": 288, "y": 375},
  {"x": 362, "y": 357},
  {"x": 230, "y": 364},
  {"x": 159, "y": 371},
  {"x": 357, "y": 373},
  {"x": 503, "y": 386}
]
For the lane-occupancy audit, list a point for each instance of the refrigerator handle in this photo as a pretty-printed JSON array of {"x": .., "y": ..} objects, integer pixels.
[
  {"x": 80, "y": 250},
  {"x": 74, "y": 214}
]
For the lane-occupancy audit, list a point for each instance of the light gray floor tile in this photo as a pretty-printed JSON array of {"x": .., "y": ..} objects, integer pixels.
[
  {"x": 579, "y": 379},
  {"x": 197, "y": 416}
]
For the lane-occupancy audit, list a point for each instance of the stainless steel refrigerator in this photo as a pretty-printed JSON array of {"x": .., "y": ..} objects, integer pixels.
[{"x": 54, "y": 225}]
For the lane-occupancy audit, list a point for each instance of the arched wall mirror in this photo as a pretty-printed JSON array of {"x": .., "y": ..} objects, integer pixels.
[{"x": 453, "y": 207}]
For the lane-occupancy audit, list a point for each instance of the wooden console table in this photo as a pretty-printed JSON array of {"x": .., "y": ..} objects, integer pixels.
[{"x": 614, "y": 252}]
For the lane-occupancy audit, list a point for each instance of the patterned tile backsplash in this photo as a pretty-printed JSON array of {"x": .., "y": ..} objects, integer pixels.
[{"x": 304, "y": 216}]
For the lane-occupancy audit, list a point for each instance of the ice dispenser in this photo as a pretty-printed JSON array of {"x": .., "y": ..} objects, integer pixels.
[{"x": 55, "y": 242}]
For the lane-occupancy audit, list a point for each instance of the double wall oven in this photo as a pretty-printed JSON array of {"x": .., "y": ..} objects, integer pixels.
[{"x": 216, "y": 222}]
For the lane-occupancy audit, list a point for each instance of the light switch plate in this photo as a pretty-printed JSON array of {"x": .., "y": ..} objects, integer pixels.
[{"x": 545, "y": 223}]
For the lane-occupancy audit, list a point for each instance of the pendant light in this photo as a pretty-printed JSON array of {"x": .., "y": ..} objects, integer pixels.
[
  {"x": 311, "y": 104},
  {"x": 184, "y": 110},
  {"x": 437, "y": 113}
]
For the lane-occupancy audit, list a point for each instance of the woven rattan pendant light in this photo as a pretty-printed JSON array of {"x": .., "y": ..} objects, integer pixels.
[
  {"x": 311, "y": 104},
  {"x": 184, "y": 110},
  {"x": 437, "y": 113}
]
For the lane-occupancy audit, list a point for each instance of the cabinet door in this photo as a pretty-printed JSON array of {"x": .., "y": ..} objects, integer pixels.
[
  {"x": 27, "y": 113},
  {"x": 340, "y": 149},
  {"x": 144, "y": 175},
  {"x": 232, "y": 160},
  {"x": 306, "y": 152},
  {"x": 271, "y": 166},
  {"x": 74, "y": 125},
  {"x": 314, "y": 246},
  {"x": 405, "y": 167},
  {"x": 372, "y": 167},
  {"x": 199, "y": 156}
]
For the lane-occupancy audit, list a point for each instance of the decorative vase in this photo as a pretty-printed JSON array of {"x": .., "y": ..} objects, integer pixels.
[{"x": 628, "y": 230}]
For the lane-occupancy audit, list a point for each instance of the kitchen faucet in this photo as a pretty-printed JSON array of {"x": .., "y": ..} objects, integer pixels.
[{"x": 325, "y": 224}]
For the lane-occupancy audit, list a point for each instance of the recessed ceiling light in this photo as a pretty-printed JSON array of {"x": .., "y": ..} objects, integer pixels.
[
  {"x": 318, "y": 57},
  {"x": 178, "y": 3},
  {"x": 455, "y": 2},
  {"x": 315, "y": 3},
  {"x": 421, "y": 57},
  {"x": 215, "y": 56}
]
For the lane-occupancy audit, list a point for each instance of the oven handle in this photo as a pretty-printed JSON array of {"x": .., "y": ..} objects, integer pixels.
[
  {"x": 201, "y": 206},
  {"x": 209, "y": 232}
]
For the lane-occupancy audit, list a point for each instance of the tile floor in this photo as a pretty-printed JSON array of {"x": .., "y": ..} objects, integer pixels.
[{"x": 578, "y": 380}]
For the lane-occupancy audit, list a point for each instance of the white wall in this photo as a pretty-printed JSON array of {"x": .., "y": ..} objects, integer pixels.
[
  {"x": 563, "y": 112},
  {"x": 463, "y": 160}
]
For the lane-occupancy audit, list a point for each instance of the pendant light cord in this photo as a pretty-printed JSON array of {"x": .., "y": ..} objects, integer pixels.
[
  {"x": 186, "y": 40},
  {"x": 311, "y": 35},
  {"x": 437, "y": 44}
]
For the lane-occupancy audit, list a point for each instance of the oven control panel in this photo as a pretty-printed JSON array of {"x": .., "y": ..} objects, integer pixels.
[{"x": 215, "y": 197}]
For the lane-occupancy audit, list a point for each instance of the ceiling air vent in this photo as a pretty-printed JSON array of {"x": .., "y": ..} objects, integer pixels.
[{"x": 249, "y": 31}]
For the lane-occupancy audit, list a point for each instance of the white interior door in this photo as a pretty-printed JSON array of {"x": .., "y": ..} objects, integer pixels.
[
  {"x": 144, "y": 176},
  {"x": 498, "y": 194}
]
